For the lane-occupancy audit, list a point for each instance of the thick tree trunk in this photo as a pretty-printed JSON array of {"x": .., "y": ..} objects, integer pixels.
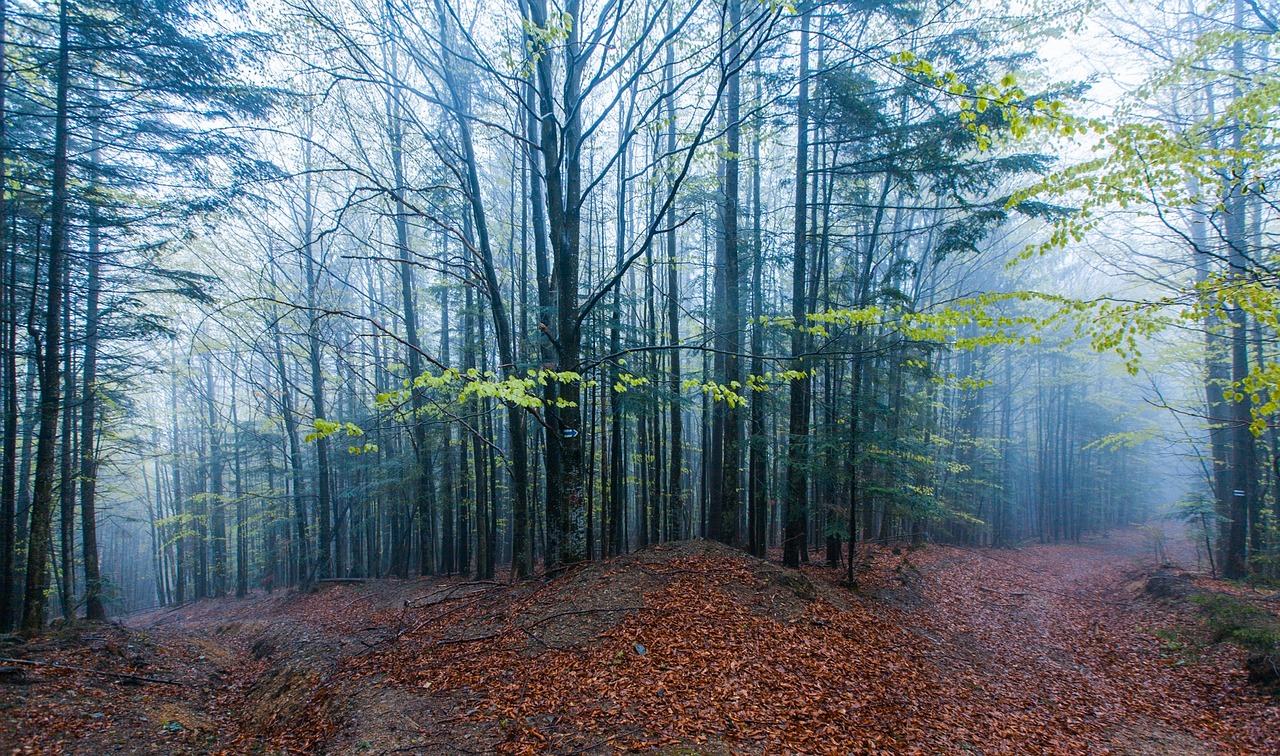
[
  {"x": 675, "y": 481},
  {"x": 566, "y": 525},
  {"x": 729, "y": 330},
  {"x": 1243, "y": 455},
  {"x": 8, "y": 482},
  {"x": 39, "y": 537},
  {"x": 546, "y": 300},
  {"x": 796, "y": 501}
]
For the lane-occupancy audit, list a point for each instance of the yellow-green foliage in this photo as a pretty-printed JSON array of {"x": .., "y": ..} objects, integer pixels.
[
  {"x": 1141, "y": 164},
  {"x": 1022, "y": 115}
]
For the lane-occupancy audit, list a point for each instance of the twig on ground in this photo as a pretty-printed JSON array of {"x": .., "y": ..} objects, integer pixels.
[
  {"x": 118, "y": 675},
  {"x": 550, "y": 617}
]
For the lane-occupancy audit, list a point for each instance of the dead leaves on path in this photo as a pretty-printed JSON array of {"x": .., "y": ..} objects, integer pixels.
[
  {"x": 1047, "y": 650},
  {"x": 694, "y": 665},
  {"x": 1052, "y": 659}
]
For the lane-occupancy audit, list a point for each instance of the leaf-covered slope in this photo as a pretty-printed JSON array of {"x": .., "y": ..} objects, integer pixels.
[{"x": 686, "y": 648}]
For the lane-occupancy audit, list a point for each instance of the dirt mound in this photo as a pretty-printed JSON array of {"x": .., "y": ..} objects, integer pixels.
[
  {"x": 1170, "y": 584},
  {"x": 606, "y": 654},
  {"x": 590, "y": 600},
  {"x": 687, "y": 645},
  {"x": 679, "y": 649}
]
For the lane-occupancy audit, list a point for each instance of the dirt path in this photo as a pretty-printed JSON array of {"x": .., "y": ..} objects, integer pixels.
[
  {"x": 1059, "y": 647},
  {"x": 689, "y": 648}
]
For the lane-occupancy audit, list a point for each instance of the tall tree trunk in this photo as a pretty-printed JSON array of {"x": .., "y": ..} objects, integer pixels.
[
  {"x": 521, "y": 547},
  {"x": 757, "y": 473},
  {"x": 8, "y": 486},
  {"x": 546, "y": 305},
  {"x": 242, "y": 504},
  {"x": 675, "y": 481},
  {"x": 1000, "y": 530},
  {"x": 654, "y": 504},
  {"x": 471, "y": 515},
  {"x": 66, "y": 467},
  {"x": 302, "y": 549},
  {"x": 324, "y": 505},
  {"x": 725, "y": 506},
  {"x": 217, "y": 506},
  {"x": 178, "y": 505},
  {"x": 424, "y": 477},
  {"x": 30, "y": 419},
  {"x": 1243, "y": 456},
  {"x": 9, "y": 354},
  {"x": 38, "y": 540},
  {"x": 617, "y": 472},
  {"x": 796, "y": 500},
  {"x": 94, "y": 608},
  {"x": 155, "y": 513},
  {"x": 566, "y": 525},
  {"x": 448, "y": 527}
]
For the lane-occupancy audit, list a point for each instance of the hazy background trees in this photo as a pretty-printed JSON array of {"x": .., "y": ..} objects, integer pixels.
[{"x": 499, "y": 286}]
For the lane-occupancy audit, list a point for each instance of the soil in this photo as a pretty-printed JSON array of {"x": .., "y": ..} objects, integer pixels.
[{"x": 685, "y": 648}]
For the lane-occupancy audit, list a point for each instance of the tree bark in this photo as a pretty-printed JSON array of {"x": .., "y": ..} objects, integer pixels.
[
  {"x": 675, "y": 482},
  {"x": 796, "y": 501},
  {"x": 424, "y": 478},
  {"x": 324, "y": 504},
  {"x": 38, "y": 540},
  {"x": 9, "y": 354},
  {"x": 1243, "y": 456},
  {"x": 66, "y": 467},
  {"x": 302, "y": 552},
  {"x": 242, "y": 505},
  {"x": 217, "y": 506},
  {"x": 757, "y": 473},
  {"x": 725, "y": 508},
  {"x": 94, "y": 608},
  {"x": 521, "y": 549}
]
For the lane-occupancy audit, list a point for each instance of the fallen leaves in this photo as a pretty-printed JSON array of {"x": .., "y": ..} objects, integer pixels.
[{"x": 1047, "y": 649}]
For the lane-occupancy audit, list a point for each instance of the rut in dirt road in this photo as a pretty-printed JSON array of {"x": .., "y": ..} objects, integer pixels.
[
  {"x": 1060, "y": 643},
  {"x": 691, "y": 647}
]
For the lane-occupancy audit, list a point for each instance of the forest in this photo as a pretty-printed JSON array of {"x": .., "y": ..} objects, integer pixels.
[{"x": 310, "y": 296}]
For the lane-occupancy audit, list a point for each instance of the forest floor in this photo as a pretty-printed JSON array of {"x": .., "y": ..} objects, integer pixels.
[{"x": 688, "y": 648}]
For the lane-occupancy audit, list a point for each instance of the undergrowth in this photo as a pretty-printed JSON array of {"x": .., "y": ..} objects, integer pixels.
[
  {"x": 1237, "y": 621},
  {"x": 1232, "y": 620}
]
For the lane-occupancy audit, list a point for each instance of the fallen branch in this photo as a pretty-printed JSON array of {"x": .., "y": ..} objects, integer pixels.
[
  {"x": 550, "y": 617},
  {"x": 597, "y": 744},
  {"x": 452, "y": 641},
  {"x": 117, "y": 675},
  {"x": 443, "y": 594}
]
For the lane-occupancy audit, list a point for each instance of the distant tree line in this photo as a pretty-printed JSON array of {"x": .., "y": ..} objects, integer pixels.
[{"x": 404, "y": 289}]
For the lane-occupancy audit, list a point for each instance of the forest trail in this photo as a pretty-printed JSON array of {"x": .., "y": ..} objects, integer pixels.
[
  {"x": 1059, "y": 643},
  {"x": 685, "y": 648}
]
